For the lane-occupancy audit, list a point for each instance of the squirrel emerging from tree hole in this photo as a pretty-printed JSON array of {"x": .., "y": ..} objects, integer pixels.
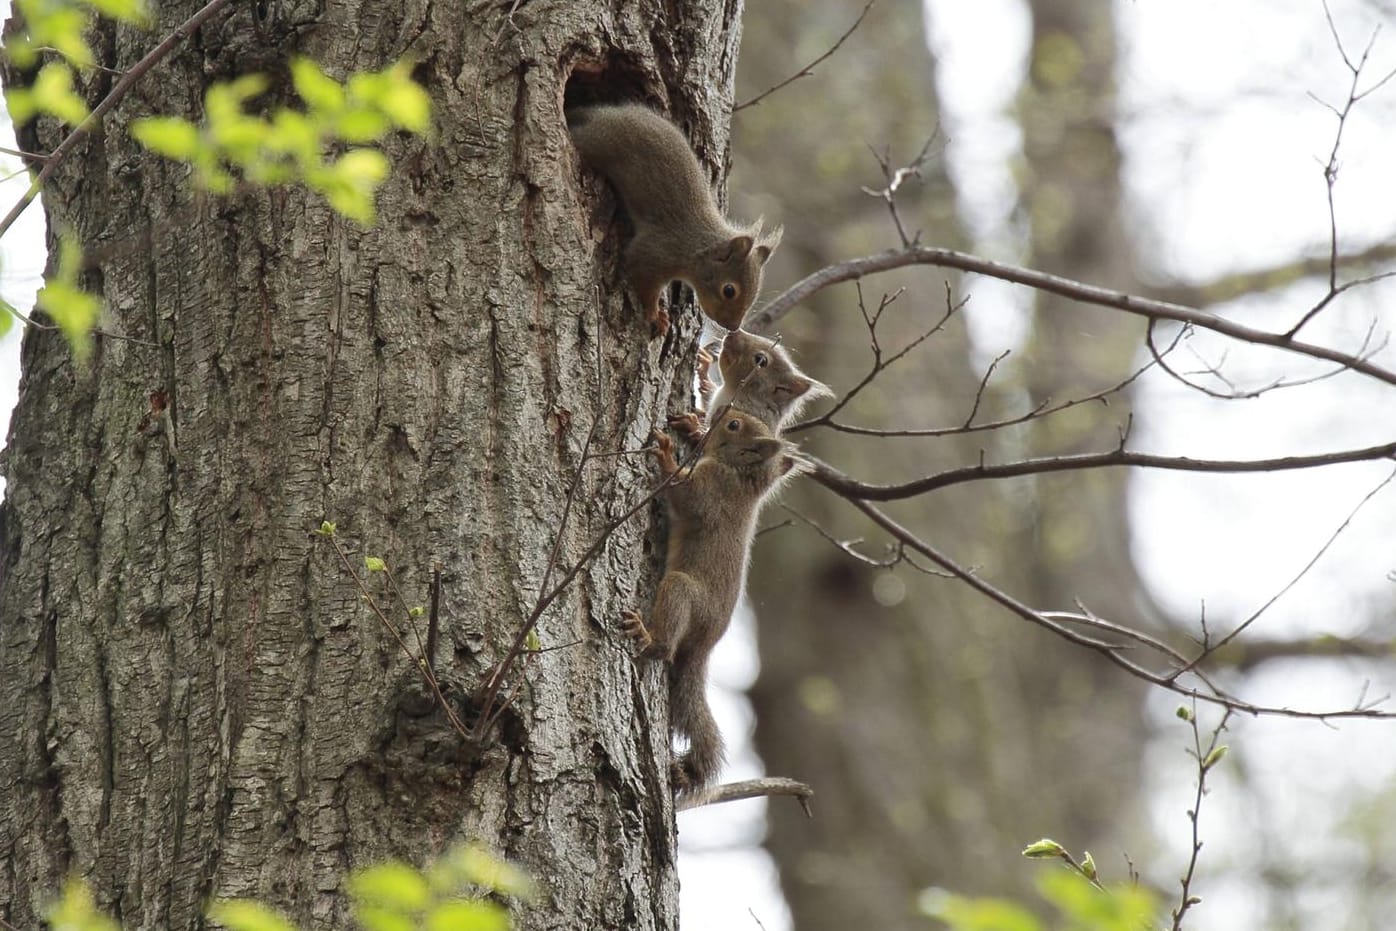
[{"x": 679, "y": 232}]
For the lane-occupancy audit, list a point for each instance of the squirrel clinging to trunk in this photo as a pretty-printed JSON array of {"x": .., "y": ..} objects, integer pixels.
[{"x": 712, "y": 506}]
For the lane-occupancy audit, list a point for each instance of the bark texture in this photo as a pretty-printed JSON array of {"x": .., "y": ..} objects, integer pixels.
[
  {"x": 193, "y": 699},
  {"x": 940, "y": 734}
]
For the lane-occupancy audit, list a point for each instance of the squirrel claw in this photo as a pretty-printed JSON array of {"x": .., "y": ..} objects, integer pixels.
[
  {"x": 633, "y": 626},
  {"x": 687, "y": 424}
]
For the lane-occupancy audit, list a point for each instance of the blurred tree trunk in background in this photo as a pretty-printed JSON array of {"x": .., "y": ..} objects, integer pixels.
[
  {"x": 940, "y": 734},
  {"x": 194, "y": 700}
]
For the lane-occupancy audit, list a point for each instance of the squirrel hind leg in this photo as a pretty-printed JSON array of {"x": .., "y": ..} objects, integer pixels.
[{"x": 673, "y": 610}]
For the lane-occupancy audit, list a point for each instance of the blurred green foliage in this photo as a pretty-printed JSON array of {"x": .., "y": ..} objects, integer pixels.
[
  {"x": 1077, "y": 903},
  {"x": 448, "y": 895},
  {"x": 287, "y": 146},
  {"x": 291, "y": 145}
]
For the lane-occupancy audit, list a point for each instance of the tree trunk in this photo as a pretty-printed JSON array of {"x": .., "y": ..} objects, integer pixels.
[
  {"x": 196, "y": 701},
  {"x": 940, "y": 734}
]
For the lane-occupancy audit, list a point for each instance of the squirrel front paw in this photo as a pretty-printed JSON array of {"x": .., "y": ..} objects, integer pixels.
[
  {"x": 689, "y": 426},
  {"x": 705, "y": 364},
  {"x": 633, "y": 626}
]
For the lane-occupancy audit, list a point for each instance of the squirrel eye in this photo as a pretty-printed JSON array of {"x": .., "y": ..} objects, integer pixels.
[
  {"x": 761, "y": 360},
  {"x": 734, "y": 425},
  {"x": 729, "y": 290}
]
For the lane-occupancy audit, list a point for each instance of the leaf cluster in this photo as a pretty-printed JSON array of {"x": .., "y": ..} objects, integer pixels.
[
  {"x": 1077, "y": 904},
  {"x": 448, "y": 895},
  {"x": 58, "y": 26},
  {"x": 291, "y": 145}
]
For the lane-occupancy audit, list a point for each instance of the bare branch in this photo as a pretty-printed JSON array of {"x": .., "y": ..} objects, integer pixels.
[
  {"x": 854, "y": 269},
  {"x": 750, "y": 788},
  {"x": 837, "y": 481}
]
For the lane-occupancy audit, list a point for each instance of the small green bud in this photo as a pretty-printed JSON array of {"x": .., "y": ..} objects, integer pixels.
[
  {"x": 1184, "y": 713},
  {"x": 417, "y": 611},
  {"x": 326, "y": 529},
  {"x": 532, "y": 642},
  {"x": 1045, "y": 849},
  {"x": 374, "y": 564},
  {"x": 1214, "y": 757},
  {"x": 1088, "y": 866}
]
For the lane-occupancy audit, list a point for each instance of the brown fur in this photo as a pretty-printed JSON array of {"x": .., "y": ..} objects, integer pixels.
[
  {"x": 758, "y": 377},
  {"x": 712, "y": 508},
  {"x": 679, "y": 233}
]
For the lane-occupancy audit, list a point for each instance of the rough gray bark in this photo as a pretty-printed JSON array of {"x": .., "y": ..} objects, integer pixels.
[{"x": 193, "y": 700}]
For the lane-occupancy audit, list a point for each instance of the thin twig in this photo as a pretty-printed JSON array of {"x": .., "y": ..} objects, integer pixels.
[
  {"x": 1205, "y": 761},
  {"x": 808, "y": 69},
  {"x": 1332, "y": 538},
  {"x": 420, "y": 662},
  {"x": 1363, "y": 708}
]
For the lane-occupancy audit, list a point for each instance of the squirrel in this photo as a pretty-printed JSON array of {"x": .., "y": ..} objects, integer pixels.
[
  {"x": 758, "y": 377},
  {"x": 712, "y": 509},
  {"x": 679, "y": 233}
]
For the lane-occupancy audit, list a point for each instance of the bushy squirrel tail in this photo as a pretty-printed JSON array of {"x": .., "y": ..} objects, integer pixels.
[{"x": 690, "y": 717}]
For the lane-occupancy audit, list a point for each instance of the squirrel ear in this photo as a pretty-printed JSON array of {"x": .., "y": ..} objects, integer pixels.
[
  {"x": 767, "y": 447},
  {"x": 768, "y": 244},
  {"x": 738, "y": 247}
]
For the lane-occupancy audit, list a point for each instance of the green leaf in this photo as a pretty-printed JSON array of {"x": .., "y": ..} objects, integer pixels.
[
  {"x": 127, "y": 11},
  {"x": 327, "y": 529},
  {"x": 169, "y": 136},
  {"x": 360, "y": 125},
  {"x": 8, "y": 316},
  {"x": 1120, "y": 907},
  {"x": 531, "y": 642},
  {"x": 1045, "y": 849},
  {"x": 965, "y": 914},
  {"x": 374, "y": 564},
  {"x": 474, "y": 865},
  {"x": 1088, "y": 866},
  {"x": 293, "y": 134},
  {"x": 74, "y": 310},
  {"x": 1214, "y": 757},
  {"x": 467, "y": 915},
  {"x": 391, "y": 885},
  {"x": 374, "y": 918},
  {"x": 408, "y": 105},
  {"x": 318, "y": 90},
  {"x": 52, "y": 93},
  {"x": 417, "y": 611},
  {"x": 393, "y": 93},
  {"x": 247, "y": 915},
  {"x": 76, "y": 911},
  {"x": 19, "y": 101},
  {"x": 362, "y": 167}
]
